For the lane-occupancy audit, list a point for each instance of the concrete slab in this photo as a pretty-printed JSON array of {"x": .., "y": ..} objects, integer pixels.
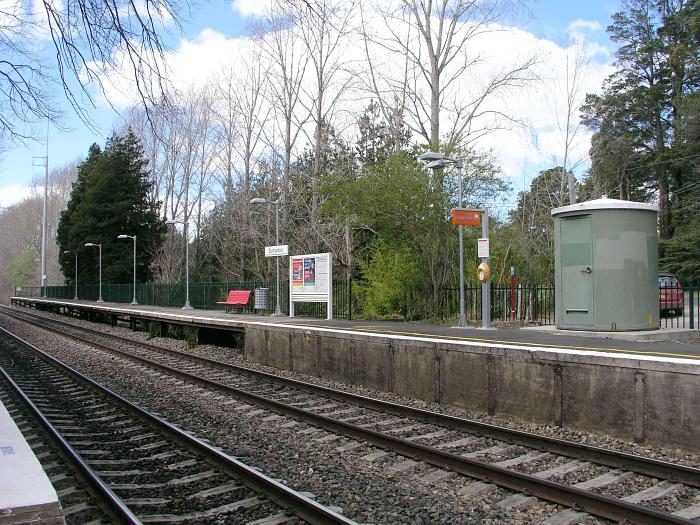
[
  {"x": 517, "y": 502},
  {"x": 678, "y": 335},
  {"x": 690, "y": 513},
  {"x": 26, "y": 494},
  {"x": 657, "y": 491},
  {"x": 476, "y": 487}
]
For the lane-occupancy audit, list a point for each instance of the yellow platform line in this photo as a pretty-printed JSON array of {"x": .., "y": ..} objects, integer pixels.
[{"x": 518, "y": 343}]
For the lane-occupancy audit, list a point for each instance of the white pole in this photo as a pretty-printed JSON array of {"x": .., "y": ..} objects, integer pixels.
[
  {"x": 76, "y": 276},
  {"x": 278, "y": 310},
  {"x": 134, "y": 300},
  {"x": 43, "y": 228},
  {"x": 187, "y": 306},
  {"x": 99, "y": 246},
  {"x": 460, "y": 229}
]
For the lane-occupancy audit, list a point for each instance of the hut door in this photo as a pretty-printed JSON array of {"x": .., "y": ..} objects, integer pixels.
[{"x": 577, "y": 270}]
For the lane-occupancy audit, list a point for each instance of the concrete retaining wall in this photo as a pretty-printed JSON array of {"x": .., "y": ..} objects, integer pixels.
[{"x": 652, "y": 402}]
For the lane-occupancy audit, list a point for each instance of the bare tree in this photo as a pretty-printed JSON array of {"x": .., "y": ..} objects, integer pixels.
[
  {"x": 324, "y": 31},
  {"x": 90, "y": 40},
  {"x": 567, "y": 94},
  {"x": 436, "y": 42},
  {"x": 20, "y": 229},
  {"x": 288, "y": 57}
]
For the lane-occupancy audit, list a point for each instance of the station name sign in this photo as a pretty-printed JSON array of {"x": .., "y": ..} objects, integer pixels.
[{"x": 277, "y": 251}]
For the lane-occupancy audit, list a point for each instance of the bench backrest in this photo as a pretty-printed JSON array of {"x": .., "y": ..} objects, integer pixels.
[{"x": 238, "y": 296}]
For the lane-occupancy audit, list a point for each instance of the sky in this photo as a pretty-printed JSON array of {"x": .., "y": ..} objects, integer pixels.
[{"x": 215, "y": 25}]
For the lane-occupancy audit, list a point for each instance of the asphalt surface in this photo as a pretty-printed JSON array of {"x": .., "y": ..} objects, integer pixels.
[{"x": 505, "y": 336}]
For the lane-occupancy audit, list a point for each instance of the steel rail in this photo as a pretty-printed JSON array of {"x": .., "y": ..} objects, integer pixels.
[
  {"x": 113, "y": 504},
  {"x": 581, "y": 500},
  {"x": 687, "y": 475},
  {"x": 302, "y": 506}
]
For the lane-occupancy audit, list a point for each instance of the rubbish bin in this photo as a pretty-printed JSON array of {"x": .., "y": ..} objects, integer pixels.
[{"x": 261, "y": 298}]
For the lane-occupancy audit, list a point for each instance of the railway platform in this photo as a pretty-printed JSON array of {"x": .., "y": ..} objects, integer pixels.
[
  {"x": 645, "y": 391},
  {"x": 26, "y": 494}
]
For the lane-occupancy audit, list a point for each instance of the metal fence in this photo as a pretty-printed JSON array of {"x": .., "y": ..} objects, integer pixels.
[
  {"x": 678, "y": 305},
  {"x": 525, "y": 304},
  {"x": 532, "y": 303},
  {"x": 202, "y": 295}
]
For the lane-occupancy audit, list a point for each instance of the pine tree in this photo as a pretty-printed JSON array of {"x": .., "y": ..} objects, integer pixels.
[{"x": 110, "y": 198}]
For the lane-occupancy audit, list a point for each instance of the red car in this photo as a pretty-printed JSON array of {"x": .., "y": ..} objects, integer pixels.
[{"x": 670, "y": 294}]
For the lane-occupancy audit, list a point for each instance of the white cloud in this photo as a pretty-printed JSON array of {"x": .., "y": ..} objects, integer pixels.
[
  {"x": 540, "y": 104},
  {"x": 583, "y": 25},
  {"x": 251, "y": 7},
  {"x": 13, "y": 193}
]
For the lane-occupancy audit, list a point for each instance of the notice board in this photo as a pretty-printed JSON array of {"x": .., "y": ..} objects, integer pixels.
[{"x": 310, "y": 280}]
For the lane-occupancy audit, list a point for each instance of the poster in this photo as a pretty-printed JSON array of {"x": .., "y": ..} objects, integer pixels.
[
  {"x": 297, "y": 272},
  {"x": 310, "y": 272}
]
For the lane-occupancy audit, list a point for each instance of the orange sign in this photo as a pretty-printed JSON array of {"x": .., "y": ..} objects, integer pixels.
[{"x": 462, "y": 217}]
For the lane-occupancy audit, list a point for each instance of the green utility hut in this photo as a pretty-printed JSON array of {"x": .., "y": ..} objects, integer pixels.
[{"x": 606, "y": 266}]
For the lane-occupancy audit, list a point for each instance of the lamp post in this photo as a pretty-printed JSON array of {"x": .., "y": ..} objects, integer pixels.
[
  {"x": 133, "y": 301},
  {"x": 185, "y": 223},
  {"x": 440, "y": 160},
  {"x": 260, "y": 200},
  {"x": 99, "y": 246},
  {"x": 75, "y": 298}
]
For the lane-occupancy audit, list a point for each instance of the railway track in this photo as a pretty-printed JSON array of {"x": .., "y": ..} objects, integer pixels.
[
  {"x": 74, "y": 490},
  {"x": 494, "y": 455},
  {"x": 137, "y": 467}
]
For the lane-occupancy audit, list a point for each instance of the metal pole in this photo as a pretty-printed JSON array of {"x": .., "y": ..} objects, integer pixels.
[
  {"x": 278, "y": 311},
  {"x": 460, "y": 230},
  {"x": 486, "y": 286},
  {"x": 187, "y": 306},
  {"x": 99, "y": 247},
  {"x": 76, "y": 276},
  {"x": 134, "y": 301},
  {"x": 43, "y": 228}
]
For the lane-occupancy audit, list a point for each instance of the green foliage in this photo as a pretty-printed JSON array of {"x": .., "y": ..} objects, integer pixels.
[
  {"x": 643, "y": 147},
  {"x": 109, "y": 198},
  {"x": 681, "y": 253},
  {"x": 389, "y": 274},
  {"x": 20, "y": 271}
]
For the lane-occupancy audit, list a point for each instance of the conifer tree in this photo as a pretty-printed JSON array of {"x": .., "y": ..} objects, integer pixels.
[{"x": 110, "y": 198}]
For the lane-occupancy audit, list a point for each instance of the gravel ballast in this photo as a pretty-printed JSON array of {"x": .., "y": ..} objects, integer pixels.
[{"x": 367, "y": 491}]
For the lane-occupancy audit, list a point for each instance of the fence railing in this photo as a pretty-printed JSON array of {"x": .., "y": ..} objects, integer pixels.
[
  {"x": 678, "y": 305},
  {"x": 526, "y": 304},
  {"x": 532, "y": 303}
]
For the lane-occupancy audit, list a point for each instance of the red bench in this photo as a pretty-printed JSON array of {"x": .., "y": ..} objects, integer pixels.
[{"x": 236, "y": 298}]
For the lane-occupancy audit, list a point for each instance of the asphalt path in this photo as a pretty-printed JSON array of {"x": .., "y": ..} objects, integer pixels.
[{"x": 521, "y": 337}]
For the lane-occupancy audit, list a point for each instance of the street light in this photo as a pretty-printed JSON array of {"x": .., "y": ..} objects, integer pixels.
[
  {"x": 99, "y": 299},
  {"x": 76, "y": 271},
  {"x": 260, "y": 200},
  {"x": 185, "y": 223},
  {"x": 134, "y": 301},
  {"x": 440, "y": 160}
]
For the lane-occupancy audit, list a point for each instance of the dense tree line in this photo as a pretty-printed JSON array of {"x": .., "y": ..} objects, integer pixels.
[{"x": 646, "y": 144}]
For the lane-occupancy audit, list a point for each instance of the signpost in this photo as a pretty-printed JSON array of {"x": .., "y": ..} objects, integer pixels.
[
  {"x": 311, "y": 280},
  {"x": 482, "y": 248},
  {"x": 466, "y": 217}
]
